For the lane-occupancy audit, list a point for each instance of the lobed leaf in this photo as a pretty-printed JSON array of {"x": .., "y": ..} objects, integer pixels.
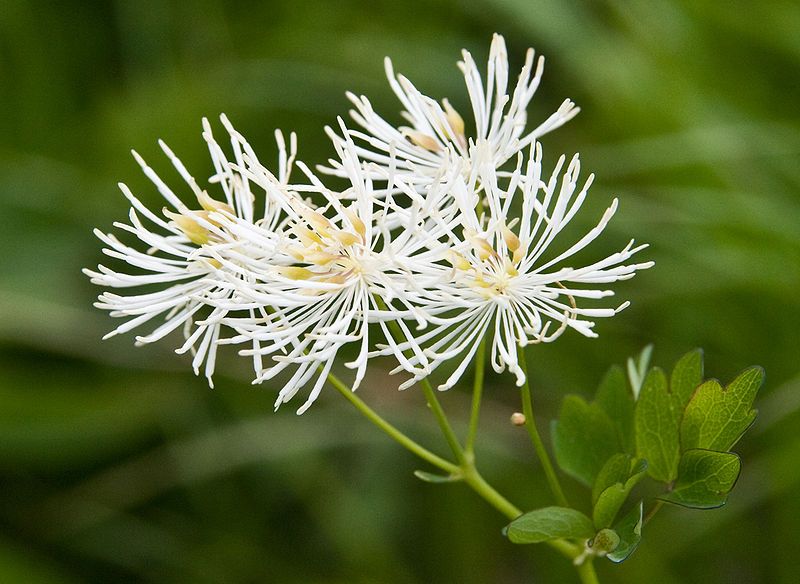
[
  {"x": 686, "y": 376},
  {"x": 549, "y": 523},
  {"x": 615, "y": 470},
  {"x": 584, "y": 438},
  {"x": 705, "y": 478},
  {"x": 613, "y": 497},
  {"x": 614, "y": 396},
  {"x": 657, "y": 422},
  {"x": 716, "y": 418}
]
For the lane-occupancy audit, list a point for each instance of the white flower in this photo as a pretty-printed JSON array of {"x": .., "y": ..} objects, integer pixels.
[
  {"x": 437, "y": 134},
  {"x": 182, "y": 254},
  {"x": 501, "y": 282},
  {"x": 342, "y": 270},
  {"x": 422, "y": 238}
]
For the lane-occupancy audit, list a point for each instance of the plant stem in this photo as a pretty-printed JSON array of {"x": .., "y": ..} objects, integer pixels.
[
  {"x": 430, "y": 397},
  {"x": 489, "y": 494},
  {"x": 536, "y": 439},
  {"x": 650, "y": 514},
  {"x": 477, "y": 393},
  {"x": 389, "y": 429},
  {"x": 441, "y": 419},
  {"x": 466, "y": 469},
  {"x": 586, "y": 572}
]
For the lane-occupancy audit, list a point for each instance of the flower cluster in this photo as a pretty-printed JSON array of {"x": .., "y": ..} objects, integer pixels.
[{"x": 440, "y": 239}]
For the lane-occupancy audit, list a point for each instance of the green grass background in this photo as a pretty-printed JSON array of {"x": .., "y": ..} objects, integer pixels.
[{"x": 118, "y": 465}]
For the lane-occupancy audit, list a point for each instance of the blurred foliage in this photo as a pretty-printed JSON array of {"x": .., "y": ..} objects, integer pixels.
[{"x": 118, "y": 465}]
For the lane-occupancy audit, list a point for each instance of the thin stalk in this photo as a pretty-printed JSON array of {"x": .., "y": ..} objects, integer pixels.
[
  {"x": 536, "y": 439},
  {"x": 586, "y": 572},
  {"x": 441, "y": 418},
  {"x": 477, "y": 393},
  {"x": 430, "y": 397},
  {"x": 650, "y": 514},
  {"x": 466, "y": 463},
  {"x": 389, "y": 429},
  {"x": 489, "y": 494},
  {"x": 466, "y": 469}
]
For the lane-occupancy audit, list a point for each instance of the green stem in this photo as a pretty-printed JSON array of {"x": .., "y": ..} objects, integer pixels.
[
  {"x": 441, "y": 419},
  {"x": 466, "y": 462},
  {"x": 489, "y": 494},
  {"x": 477, "y": 393},
  {"x": 536, "y": 439},
  {"x": 466, "y": 470},
  {"x": 393, "y": 432},
  {"x": 586, "y": 572},
  {"x": 430, "y": 397}
]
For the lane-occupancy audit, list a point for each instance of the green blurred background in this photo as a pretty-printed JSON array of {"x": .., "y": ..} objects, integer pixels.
[{"x": 118, "y": 465}]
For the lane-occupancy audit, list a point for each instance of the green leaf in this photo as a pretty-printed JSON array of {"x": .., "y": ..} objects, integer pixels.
[
  {"x": 613, "y": 497},
  {"x": 687, "y": 375},
  {"x": 583, "y": 439},
  {"x": 615, "y": 470},
  {"x": 637, "y": 369},
  {"x": 657, "y": 422},
  {"x": 430, "y": 477},
  {"x": 549, "y": 523},
  {"x": 629, "y": 530},
  {"x": 705, "y": 478},
  {"x": 616, "y": 399},
  {"x": 716, "y": 418}
]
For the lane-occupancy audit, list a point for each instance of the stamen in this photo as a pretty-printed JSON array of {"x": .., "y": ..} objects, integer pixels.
[
  {"x": 420, "y": 139},
  {"x": 453, "y": 118},
  {"x": 191, "y": 228}
]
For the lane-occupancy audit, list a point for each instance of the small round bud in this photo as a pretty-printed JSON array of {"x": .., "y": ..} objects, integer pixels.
[
  {"x": 604, "y": 542},
  {"x": 518, "y": 419}
]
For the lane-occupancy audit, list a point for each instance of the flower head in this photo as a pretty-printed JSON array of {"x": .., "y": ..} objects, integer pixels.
[
  {"x": 501, "y": 283},
  {"x": 437, "y": 134},
  {"x": 182, "y": 254},
  {"x": 340, "y": 270},
  {"x": 433, "y": 245}
]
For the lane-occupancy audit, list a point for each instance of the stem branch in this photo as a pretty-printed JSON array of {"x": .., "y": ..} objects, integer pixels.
[
  {"x": 393, "y": 432},
  {"x": 477, "y": 393},
  {"x": 441, "y": 419},
  {"x": 536, "y": 439}
]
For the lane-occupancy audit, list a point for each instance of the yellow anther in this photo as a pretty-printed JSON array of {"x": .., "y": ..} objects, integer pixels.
[
  {"x": 453, "y": 118},
  {"x": 295, "y": 272},
  {"x": 480, "y": 282},
  {"x": 483, "y": 248},
  {"x": 214, "y": 263},
  {"x": 459, "y": 262},
  {"x": 196, "y": 233},
  {"x": 339, "y": 278},
  {"x": 211, "y": 205},
  {"x": 420, "y": 139},
  {"x": 346, "y": 238},
  {"x": 319, "y": 257},
  {"x": 511, "y": 270},
  {"x": 519, "y": 255},
  {"x": 317, "y": 221},
  {"x": 297, "y": 252},
  {"x": 307, "y": 237},
  {"x": 512, "y": 241},
  {"x": 355, "y": 220}
]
